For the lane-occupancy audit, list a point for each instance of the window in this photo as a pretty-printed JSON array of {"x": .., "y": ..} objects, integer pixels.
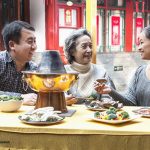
[{"x": 9, "y": 12}]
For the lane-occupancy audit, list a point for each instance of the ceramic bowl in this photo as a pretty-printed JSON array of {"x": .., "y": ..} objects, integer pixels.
[{"x": 10, "y": 105}]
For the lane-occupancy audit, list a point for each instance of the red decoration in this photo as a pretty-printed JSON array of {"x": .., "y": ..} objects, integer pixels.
[
  {"x": 68, "y": 17},
  {"x": 139, "y": 26},
  {"x": 115, "y": 30}
]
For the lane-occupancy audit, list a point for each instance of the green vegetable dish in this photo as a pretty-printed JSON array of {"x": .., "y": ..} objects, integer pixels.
[
  {"x": 112, "y": 114},
  {"x": 9, "y": 97}
]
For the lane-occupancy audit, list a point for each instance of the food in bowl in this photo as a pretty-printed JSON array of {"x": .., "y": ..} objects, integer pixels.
[{"x": 10, "y": 103}]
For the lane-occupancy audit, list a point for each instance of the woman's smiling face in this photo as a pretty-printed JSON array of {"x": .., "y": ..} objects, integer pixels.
[
  {"x": 83, "y": 52},
  {"x": 144, "y": 46}
]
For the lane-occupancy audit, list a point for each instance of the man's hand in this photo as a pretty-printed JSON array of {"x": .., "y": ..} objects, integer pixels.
[{"x": 29, "y": 99}]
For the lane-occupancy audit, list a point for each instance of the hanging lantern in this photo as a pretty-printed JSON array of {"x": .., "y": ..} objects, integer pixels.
[{"x": 120, "y": 3}]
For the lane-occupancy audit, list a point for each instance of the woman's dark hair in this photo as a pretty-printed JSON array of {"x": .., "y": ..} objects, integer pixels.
[
  {"x": 12, "y": 31},
  {"x": 70, "y": 43},
  {"x": 146, "y": 31}
]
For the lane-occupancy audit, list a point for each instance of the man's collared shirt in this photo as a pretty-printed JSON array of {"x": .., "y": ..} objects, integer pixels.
[{"x": 10, "y": 79}]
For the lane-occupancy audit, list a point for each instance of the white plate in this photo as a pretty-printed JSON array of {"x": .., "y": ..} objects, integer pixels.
[
  {"x": 88, "y": 106},
  {"x": 95, "y": 109},
  {"x": 98, "y": 109},
  {"x": 144, "y": 112},
  {"x": 132, "y": 117},
  {"x": 40, "y": 122}
]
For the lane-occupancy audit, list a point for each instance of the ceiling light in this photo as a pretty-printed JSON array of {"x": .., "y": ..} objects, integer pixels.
[{"x": 69, "y": 3}]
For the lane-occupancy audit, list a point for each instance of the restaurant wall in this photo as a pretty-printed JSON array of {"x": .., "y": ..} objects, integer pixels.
[
  {"x": 37, "y": 19},
  {"x": 120, "y": 66}
]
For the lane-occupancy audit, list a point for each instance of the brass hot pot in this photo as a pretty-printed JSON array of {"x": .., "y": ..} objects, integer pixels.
[{"x": 50, "y": 81}]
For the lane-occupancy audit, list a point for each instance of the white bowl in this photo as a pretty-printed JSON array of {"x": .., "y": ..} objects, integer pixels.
[{"x": 10, "y": 105}]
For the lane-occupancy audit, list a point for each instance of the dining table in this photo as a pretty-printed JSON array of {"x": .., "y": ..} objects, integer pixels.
[{"x": 78, "y": 132}]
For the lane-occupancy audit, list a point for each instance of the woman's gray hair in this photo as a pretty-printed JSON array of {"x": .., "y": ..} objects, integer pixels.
[
  {"x": 70, "y": 43},
  {"x": 146, "y": 31}
]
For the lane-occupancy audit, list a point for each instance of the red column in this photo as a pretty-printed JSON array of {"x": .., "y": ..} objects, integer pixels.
[
  {"x": 51, "y": 15},
  {"x": 129, "y": 26}
]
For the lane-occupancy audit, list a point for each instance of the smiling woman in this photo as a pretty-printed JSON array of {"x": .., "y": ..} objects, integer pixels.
[
  {"x": 137, "y": 93},
  {"x": 78, "y": 51}
]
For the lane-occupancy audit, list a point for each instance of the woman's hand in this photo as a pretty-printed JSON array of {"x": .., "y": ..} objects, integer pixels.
[
  {"x": 29, "y": 99},
  {"x": 70, "y": 100},
  {"x": 102, "y": 88}
]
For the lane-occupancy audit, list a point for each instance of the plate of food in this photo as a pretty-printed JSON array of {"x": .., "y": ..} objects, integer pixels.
[
  {"x": 112, "y": 116},
  {"x": 144, "y": 111},
  {"x": 53, "y": 120},
  {"x": 97, "y": 105},
  {"x": 94, "y": 106},
  {"x": 41, "y": 116}
]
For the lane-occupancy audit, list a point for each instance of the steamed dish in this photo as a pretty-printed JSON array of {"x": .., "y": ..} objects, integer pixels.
[{"x": 45, "y": 114}]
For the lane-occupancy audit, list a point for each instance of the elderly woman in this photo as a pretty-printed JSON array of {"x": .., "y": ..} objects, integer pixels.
[
  {"x": 78, "y": 51},
  {"x": 138, "y": 92}
]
